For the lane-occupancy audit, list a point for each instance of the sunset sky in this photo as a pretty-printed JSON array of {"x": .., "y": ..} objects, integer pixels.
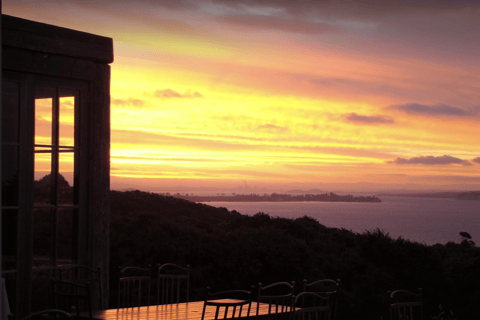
[{"x": 277, "y": 94}]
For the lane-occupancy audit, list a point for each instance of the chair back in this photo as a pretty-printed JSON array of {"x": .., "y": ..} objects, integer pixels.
[
  {"x": 82, "y": 274},
  {"x": 67, "y": 295},
  {"x": 326, "y": 288},
  {"x": 406, "y": 305},
  {"x": 53, "y": 314},
  {"x": 172, "y": 280},
  {"x": 134, "y": 287},
  {"x": 310, "y": 306},
  {"x": 278, "y": 296},
  {"x": 230, "y": 304}
]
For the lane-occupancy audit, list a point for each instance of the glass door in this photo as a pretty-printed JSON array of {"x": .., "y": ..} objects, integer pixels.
[
  {"x": 56, "y": 200},
  {"x": 44, "y": 182}
]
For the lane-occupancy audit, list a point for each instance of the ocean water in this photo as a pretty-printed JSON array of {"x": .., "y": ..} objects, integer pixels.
[{"x": 424, "y": 220}]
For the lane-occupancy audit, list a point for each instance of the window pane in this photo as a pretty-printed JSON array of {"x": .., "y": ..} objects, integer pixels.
[
  {"x": 10, "y": 111},
  {"x": 44, "y": 100},
  {"x": 43, "y": 185},
  {"x": 43, "y": 220},
  {"x": 65, "y": 236},
  {"x": 9, "y": 239},
  {"x": 65, "y": 178},
  {"x": 10, "y": 175},
  {"x": 68, "y": 99}
]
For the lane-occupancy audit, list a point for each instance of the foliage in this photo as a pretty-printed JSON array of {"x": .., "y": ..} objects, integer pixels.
[
  {"x": 442, "y": 315},
  {"x": 228, "y": 250}
]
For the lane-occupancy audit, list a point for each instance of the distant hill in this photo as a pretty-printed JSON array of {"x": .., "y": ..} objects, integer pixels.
[
  {"x": 310, "y": 191},
  {"x": 474, "y": 195},
  {"x": 423, "y": 194},
  {"x": 278, "y": 197}
]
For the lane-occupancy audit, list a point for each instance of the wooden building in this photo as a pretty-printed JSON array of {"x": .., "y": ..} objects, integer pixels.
[{"x": 55, "y": 162}]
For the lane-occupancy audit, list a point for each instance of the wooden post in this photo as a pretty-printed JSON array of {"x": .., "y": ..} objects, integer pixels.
[
  {"x": 2, "y": 298},
  {"x": 100, "y": 173}
]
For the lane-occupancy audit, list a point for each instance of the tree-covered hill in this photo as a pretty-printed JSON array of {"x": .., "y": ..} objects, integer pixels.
[{"x": 228, "y": 250}]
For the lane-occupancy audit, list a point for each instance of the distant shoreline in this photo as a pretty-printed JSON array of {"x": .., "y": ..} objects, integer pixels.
[
  {"x": 472, "y": 195},
  {"x": 275, "y": 197}
]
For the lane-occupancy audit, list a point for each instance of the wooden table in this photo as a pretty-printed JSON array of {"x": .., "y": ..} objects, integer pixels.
[{"x": 179, "y": 311}]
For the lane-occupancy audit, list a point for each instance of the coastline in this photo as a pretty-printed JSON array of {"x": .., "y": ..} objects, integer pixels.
[{"x": 275, "y": 197}]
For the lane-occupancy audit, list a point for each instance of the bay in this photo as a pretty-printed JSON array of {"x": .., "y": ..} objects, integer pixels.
[{"x": 424, "y": 220}]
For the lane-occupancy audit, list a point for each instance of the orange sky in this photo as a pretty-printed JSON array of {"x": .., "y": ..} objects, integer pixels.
[{"x": 361, "y": 95}]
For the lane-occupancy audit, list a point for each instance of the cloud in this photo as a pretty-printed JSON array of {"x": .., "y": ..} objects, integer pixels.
[
  {"x": 476, "y": 160},
  {"x": 432, "y": 160},
  {"x": 359, "y": 9},
  {"x": 347, "y": 87},
  {"x": 256, "y": 22},
  {"x": 68, "y": 104},
  {"x": 130, "y": 101},
  {"x": 272, "y": 127},
  {"x": 368, "y": 120},
  {"x": 431, "y": 110},
  {"x": 169, "y": 93}
]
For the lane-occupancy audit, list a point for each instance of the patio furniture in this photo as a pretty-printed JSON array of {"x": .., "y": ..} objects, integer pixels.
[
  {"x": 178, "y": 311},
  {"x": 134, "y": 287},
  {"x": 406, "y": 305},
  {"x": 54, "y": 314},
  {"x": 279, "y": 298},
  {"x": 82, "y": 274},
  {"x": 227, "y": 304},
  {"x": 172, "y": 280},
  {"x": 310, "y": 306},
  {"x": 325, "y": 288},
  {"x": 67, "y": 294}
]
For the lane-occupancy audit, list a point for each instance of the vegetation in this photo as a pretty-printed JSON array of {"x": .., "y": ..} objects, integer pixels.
[
  {"x": 228, "y": 250},
  {"x": 473, "y": 195}
]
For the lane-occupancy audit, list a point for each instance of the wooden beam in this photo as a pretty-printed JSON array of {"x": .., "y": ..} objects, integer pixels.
[
  {"x": 32, "y": 62},
  {"x": 36, "y": 36}
]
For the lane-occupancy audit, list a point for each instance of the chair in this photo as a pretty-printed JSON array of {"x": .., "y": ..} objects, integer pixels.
[
  {"x": 67, "y": 295},
  {"x": 134, "y": 287},
  {"x": 171, "y": 278},
  {"x": 278, "y": 296},
  {"x": 325, "y": 288},
  {"x": 230, "y": 304},
  {"x": 54, "y": 314},
  {"x": 82, "y": 274},
  {"x": 310, "y": 306},
  {"x": 406, "y": 305}
]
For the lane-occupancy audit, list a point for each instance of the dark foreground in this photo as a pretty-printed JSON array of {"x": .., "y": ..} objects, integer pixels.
[{"x": 228, "y": 250}]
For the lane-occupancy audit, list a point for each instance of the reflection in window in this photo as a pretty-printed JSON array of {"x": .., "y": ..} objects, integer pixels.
[{"x": 55, "y": 204}]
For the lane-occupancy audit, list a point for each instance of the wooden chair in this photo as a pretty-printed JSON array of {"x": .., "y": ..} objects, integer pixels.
[
  {"x": 310, "y": 306},
  {"x": 230, "y": 304},
  {"x": 134, "y": 287},
  {"x": 326, "y": 288},
  {"x": 406, "y": 305},
  {"x": 54, "y": 314},
  {"x": 171, "y": 279},
  {"x": 66, "y": 294},
  {"x": 279, "y": 298},
  {"x": 82, "y": 274}
]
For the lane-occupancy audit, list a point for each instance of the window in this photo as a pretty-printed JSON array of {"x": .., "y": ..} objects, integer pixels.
[{"x": 56, "y": 200}]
